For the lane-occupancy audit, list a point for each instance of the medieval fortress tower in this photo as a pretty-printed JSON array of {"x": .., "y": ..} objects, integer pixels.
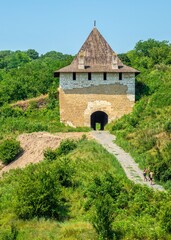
[{"x": 96, "y": 87}]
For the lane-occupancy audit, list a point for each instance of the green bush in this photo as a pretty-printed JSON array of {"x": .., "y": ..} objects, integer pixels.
[
  {"x": 39, "y": 194},
  {"x": 9, "y": 149},
  {"x": 65, "y": 171},
  {"x": 6, "y": 111},
  {"x": 103, "y": 218},
  {"x": 167, "y": 127},
  {"x": 9, "y": 234},
  {"x": 50, "y": 154},
  {"x": 165, "y": 216},
  {"x": 66, "y": 146},
  {"x": 101, "y": 195}
]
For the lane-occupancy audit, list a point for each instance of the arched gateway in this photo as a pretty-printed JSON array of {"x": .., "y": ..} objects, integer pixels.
[{"x": 99, "y": 117}]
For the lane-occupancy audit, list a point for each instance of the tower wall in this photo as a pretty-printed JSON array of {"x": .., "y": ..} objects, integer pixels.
[{"x": 81, "y": 97}]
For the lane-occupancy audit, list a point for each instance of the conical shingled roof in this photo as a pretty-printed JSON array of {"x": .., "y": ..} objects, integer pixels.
[{"x": 97, "y": 56}]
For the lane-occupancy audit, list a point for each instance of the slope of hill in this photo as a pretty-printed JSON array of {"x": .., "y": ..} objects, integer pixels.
[
  {"x": 34, "y": 144},
  {"x": 79, "y": 191},
  {"x": 146, "y": 132}
]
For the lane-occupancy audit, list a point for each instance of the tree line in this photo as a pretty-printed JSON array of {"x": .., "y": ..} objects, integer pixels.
[{"x": 25, "y": 74}]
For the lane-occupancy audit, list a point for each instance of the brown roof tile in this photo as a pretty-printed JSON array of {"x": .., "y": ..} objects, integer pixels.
[{"x": 96, "y": 56}]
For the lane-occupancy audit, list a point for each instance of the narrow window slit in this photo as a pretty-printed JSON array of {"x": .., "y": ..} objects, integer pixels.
[
  {"x": 74, "y": 76},
  {"x": 120, "y": 76},
  {"x": 104, "y": 76},
  {"x": 89, "y": 76}
]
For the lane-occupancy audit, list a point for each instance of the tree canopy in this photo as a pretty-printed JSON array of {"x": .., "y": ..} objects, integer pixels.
[{"x": 25, "y": 74}]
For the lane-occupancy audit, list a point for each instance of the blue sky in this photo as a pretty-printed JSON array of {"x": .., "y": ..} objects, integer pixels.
[{"x": 64, "y": 25}]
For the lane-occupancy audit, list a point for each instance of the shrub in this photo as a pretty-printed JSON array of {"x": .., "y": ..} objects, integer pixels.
[
  {"x": 39, "y": 194},
  {"x": 33, "y": 105},
  {"x": 6, "y": 111},
  {"x": 165, "y": 216},
  {"x": 9, "y": 149},
  {"x": 65, "y": 171},
  {"x": 52, "y": 97},
  {"x": 103, "y": 218},
  {"x": 50, "y": 154},
  {"x": 167, "y": 127},
  {"x": 101, "y": 195},
  {"x": 66, "y": 146},
  {"x": 10, "y": 234}
]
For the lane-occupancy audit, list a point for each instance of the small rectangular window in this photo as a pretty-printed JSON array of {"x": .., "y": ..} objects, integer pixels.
[
  {"x": 89, "y": 76},
  {"x": 104, "y": 76},
  {"x": 74, "y": 76},
  {"x": 120, "y": 76}
]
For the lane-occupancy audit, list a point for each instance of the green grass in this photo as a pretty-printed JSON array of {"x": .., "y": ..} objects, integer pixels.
[
  {"x": 148, "y": 141},
  {"x": 14, "y": 121},
  {"x": 90, "y": 161}
]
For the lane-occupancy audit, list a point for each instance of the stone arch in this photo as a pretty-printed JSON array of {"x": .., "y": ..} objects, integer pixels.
[{"x": 98, "y": 117}]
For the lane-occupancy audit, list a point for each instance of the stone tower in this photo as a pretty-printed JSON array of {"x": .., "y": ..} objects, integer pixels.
[{"x": 96, "y": 87}]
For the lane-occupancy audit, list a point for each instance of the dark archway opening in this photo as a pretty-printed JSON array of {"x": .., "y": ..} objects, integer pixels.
[{"x": 99, "y": 117}]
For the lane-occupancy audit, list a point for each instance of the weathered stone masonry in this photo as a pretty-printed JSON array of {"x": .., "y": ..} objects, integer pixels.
[
  {"x": 84, "y": 101},
  {"x": 113, "y": 96}
]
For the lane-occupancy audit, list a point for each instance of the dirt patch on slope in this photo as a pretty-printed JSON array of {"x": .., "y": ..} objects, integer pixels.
[
  {"x": 34, "y": 145},
  {"x": 39, "y": 101}
]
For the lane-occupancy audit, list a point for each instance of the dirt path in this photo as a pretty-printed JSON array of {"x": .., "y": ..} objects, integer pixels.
[
  {"x": 34, "y": 145},
  {"x": 128, "y": 164}
]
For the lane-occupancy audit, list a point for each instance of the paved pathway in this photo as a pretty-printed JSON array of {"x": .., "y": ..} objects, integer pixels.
[{"x": 127, "y": 162}]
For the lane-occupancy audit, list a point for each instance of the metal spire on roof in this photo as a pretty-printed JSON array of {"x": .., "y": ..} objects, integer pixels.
[{"x": 94, "y": 23}]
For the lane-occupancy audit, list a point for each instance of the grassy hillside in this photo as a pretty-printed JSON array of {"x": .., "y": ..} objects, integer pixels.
[
  {"x": 80, "y": 192},
  {"x": 24, "y": 75},
  {"x": 15, "y": 120},
  {"x": 146, "y": 132}
]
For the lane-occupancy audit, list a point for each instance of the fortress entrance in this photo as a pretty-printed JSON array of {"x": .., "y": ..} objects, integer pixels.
[{"x": 98, "y": 120}]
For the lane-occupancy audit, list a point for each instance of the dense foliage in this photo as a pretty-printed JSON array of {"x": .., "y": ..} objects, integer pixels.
[
  {"x": 25, "y": 74},
  {"x": 15, "y": 120},
  {"x": 87, "y": 190},
  {"x": 65, "y": 147},
  {"x": 146, "y": 131},
  {"x": 9, "y": 150},
  {"x": 39, "y": 194}
]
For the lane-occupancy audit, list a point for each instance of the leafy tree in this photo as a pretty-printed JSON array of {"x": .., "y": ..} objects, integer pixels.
[
  {"x": 32, "y": 54},
  {"x": 124, "y": 58},
  {"x": 25, "y": 75}
]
